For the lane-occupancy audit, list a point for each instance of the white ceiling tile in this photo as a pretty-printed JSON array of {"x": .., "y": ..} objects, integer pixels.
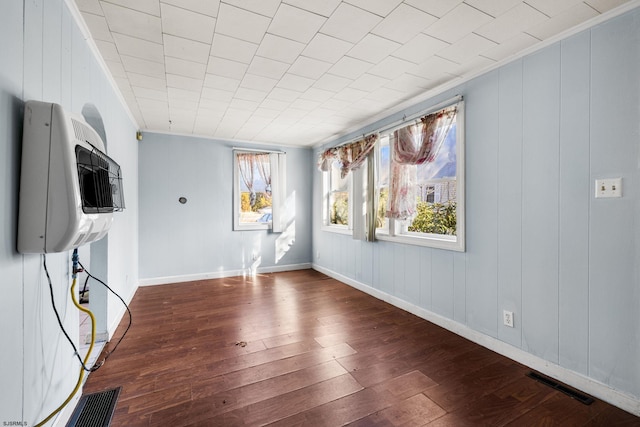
[
  {"x": 350, "y": 94},
  {"x": 279, "y": 48},
  {"x": 116, "y": 68},
  {"x": 436, "y": 8},
  {"x": 435, "y": 67},
  {"x": 326, "y": 48},
  {"x": 553, "y": 7},
  {"x": 295, "y": 24},
  {"x": 293, "y": 82},
  {"x": 408, "y": 83},
  {"x": 186, "y": 49},
  {"x": 379, "y": 7},
  {"x": 219, "y": 82},
  {"x": 512, "y": 22},
  {"x": 285, "y": 95},
  {"x": 373, "y": 49},
  {"x": 263, "y": 7},
  {"x": 256, "y": 82},
  {"x": 510, "y": 47},
  {"x": 217, "y": 107},
  {"x": 324, "y": 8},
  {"x": 151, "y": 7},
  {"x": 604, "y": 5},
  {"x": 182, "y": 82},
  {"x": 392, "y": 67},
  {"x": 386, "y": 95},
  {"x": 234, "y": 49},
  {"x": 143, "y": 66},
  {"x": 474, "y": 65},
  {"x": 403, "y": 24},
  {"x": 180, "y": 94},
  {"x": 98, "y": 27},
  {"x": 133, "y": 23},
  {"x": 185, "y": 68},
  {"x": 241, "y": 23},
  {"x": 267, "y": 113},
  {"x": 139, "y": 48},
  {"x": 248, "y": 94},
  {"x": 108, "y": 50},
  {"x": 243, "y": 104},
  {"x": 332, "y": 83},
  {"x": 457, "y": 23},
  {"x": 350, "y": 67},
  {"x": 335, "y": 104},
  {"x": 369, "y": 82},
  {"x": 317, "y": 95},
  {"x": 350, "y": 23},
  {"x": 560, "y": 22},
  {"x": 493, "y": 7},
  {"x": 143, "y": 92},
  {"x": 467, "y": 48},
  {"x": 154, "y": 106},
  {"x": 146, "y": 81},
  {"x": 305, "y": 104},
  {"x": 267, "y": 67},
  {"x": 89, "y": 6},
  {"x": 273, "y": 104},
  {"x": 217, "y": 95},
  {"x": 420, "y": 48},
  {"x": 226, "y": 67},
  {"x": 309, "y": 67},
  {"x": 187, "y": 24},
  {"x": 205, "y": 7}
]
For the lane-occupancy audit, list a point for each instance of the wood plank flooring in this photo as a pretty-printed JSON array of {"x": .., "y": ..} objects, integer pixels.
[{"x": 299, "y": 348}]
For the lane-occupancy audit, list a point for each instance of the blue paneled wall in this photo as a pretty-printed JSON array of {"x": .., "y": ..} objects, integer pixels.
[{"x": 539, "y": 131}]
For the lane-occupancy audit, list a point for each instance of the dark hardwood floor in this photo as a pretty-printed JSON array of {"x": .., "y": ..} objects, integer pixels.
[{"x": 299, "y": 348}]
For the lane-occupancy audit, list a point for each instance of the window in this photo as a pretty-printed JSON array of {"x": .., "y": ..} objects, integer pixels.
[
  {"x": 420, "y": 199},
  {"x": 337, "y": 203},
  {"x": 258, "y": 189}
]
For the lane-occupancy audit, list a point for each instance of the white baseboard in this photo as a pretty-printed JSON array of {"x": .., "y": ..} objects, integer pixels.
[
  {"x": 581, "y": 382},
  {"x": 222, "y": 274}
]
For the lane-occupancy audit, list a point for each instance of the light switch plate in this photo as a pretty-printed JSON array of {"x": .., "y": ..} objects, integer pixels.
[{"x": 610, "y": 187}]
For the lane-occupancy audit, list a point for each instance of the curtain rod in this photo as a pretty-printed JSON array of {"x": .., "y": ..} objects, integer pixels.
[
  {"x": 255, "y": 150},
  {"x": 398, "y": 123}
]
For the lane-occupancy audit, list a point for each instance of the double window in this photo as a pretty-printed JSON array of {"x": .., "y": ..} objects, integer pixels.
[
  {"x": 416, "y": 191},
  {"x": 258, "y": 189}
]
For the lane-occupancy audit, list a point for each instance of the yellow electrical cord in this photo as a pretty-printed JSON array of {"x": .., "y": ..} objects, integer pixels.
[{"x": 86, "y": 358}]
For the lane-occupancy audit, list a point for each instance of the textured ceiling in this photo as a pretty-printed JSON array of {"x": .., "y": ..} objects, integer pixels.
[{"x": 301, "y": 72}]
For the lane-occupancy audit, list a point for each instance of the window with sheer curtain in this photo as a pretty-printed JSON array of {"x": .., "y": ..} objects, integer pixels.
[
  {"x": 420, "y": 181},
  {"x": 410, "y": 187},
  {"x": 258, "y": 189}
]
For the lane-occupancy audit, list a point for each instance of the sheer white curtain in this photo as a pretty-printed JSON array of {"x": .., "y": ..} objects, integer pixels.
[{"x": 411, "y": 146}]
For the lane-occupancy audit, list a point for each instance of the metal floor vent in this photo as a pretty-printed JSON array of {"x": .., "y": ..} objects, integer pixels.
[
  {"x": 582, "y": 398},
  {"x": 95, "y": 410}
]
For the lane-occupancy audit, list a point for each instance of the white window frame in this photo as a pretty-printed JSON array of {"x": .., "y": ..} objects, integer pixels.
[
  {"x": 326, "y": 214},
  {"x": 277, "y": 161},
  {"x": 397, "y": 229}
]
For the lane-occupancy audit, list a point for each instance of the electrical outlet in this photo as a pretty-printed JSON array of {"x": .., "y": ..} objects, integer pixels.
[
  {"x": 507, "y": 318},
  {"x": 607, "y": 188}
]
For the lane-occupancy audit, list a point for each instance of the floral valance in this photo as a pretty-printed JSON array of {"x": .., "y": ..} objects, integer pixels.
[{"x": 350, "y": 156}]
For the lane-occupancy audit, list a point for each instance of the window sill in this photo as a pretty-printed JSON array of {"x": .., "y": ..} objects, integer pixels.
[
  {"x": 338, "y": 229},
  {"x": 433, "y": 241},
  {"x": 249, "y": 227}
]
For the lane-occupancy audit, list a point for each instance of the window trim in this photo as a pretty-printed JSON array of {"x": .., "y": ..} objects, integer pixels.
[
  {"x": 278, "y": 177},
  {"x": 426, "y": 239},
  {"x": 326, "y": 216}
]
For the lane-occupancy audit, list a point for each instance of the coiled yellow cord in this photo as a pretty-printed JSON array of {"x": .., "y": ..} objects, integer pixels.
[{"x": 86, "y": 358}]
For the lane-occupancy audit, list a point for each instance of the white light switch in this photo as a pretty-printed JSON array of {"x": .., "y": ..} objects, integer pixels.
[{"x": 611, "y": 187}]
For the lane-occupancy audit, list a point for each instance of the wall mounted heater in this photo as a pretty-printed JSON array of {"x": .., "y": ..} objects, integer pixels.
[{"x": 69, "y": 188}]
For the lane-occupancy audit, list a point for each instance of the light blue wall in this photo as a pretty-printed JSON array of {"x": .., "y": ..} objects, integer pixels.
[
  {"x": 44, "y": 56},
  {"x": 539, "y": 131},
  {"x": 197, "y": 239}
]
